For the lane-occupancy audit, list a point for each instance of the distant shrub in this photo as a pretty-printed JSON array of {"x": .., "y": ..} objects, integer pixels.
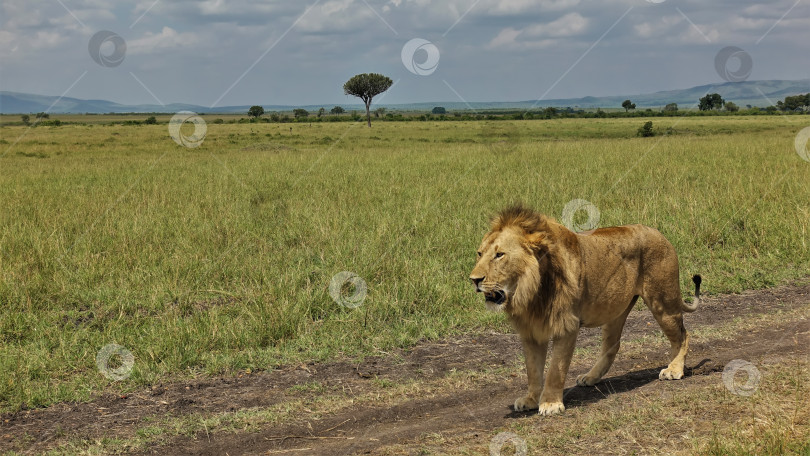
[
  {"x": 218, "y": 121},
  {"x": 646, "y": 130},
  {"x": 151, "y": 120}
]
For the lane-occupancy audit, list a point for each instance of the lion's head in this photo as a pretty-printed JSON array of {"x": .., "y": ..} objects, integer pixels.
[
  {"x": 508, "y": 268},
  {"x": 524, "y": 266}
]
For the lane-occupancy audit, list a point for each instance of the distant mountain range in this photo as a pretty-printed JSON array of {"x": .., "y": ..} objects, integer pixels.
[{"x": 755, "y": 93}]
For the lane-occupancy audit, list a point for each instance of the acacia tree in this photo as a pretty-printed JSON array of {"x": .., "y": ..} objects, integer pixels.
[
  {"x": 711, "y": 101},
  {"x": 366, "y": 86},
  {"x": 255, "y": 111},
  {"x": 628, "y": 105}
]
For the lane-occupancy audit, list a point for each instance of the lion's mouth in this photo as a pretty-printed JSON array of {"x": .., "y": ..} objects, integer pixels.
[{"x": 495, "y": 297}]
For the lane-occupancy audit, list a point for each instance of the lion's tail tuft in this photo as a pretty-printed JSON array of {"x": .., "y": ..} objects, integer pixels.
[{"x": 691, "y": 307}]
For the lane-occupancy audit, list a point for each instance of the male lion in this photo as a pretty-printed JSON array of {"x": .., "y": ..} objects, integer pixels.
[{"x": 551, "y": 281}]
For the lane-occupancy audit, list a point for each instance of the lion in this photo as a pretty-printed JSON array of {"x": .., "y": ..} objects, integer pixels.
[{"x": 551, "y": 281}]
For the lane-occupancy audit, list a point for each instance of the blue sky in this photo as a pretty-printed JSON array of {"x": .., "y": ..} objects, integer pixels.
[{"x": 300, "y": 52}]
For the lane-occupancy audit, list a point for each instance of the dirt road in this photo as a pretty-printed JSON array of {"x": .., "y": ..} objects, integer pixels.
[{"x": 454, "y": 396}]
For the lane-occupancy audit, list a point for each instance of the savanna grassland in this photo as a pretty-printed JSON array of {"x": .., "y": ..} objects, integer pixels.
[{"x": 217, "y": 260}]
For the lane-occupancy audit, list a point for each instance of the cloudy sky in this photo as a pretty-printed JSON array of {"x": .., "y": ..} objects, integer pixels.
[{"x": 236, "y": 52}]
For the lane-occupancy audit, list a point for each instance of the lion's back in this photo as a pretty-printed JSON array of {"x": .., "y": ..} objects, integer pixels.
[{"x": 639, "y": 250}]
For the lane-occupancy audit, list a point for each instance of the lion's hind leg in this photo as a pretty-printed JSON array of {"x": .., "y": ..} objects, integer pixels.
[
  {"x": 672, "y": 325},
  {"x": 611, "y": 336}
]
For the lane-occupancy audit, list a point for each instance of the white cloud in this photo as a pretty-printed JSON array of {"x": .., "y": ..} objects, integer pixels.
[
  {"x": 748, "y": 23},
  {"x": 505, "y": 38},
  {"x": 772, "y": 9},
  {"x": 209, "y": 12},
  {"x": 167, "y": 39},
  {"x": 221, "y": 8},
  {"x": 8, "y": 44},
  {"x": 663, "y": 26},
  {"x": 337, "y": 16},
  {"x": 698, "y": 34},
  {"x": 17, "y": 16},
  {"x": 572, "y": 24},
  {"x": 540, "y": 36},
  {"x": 511, "y": 7}
]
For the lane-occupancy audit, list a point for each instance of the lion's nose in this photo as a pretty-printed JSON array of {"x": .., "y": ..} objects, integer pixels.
[{"x": 476, "y": 281}]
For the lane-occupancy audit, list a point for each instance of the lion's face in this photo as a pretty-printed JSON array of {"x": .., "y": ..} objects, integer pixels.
[{"x": 503, "y": 258}]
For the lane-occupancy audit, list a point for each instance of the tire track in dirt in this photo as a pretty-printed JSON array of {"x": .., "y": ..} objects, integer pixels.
[
  {"x": 367, "y": 428},
  {"x": 483, "y": 408}
]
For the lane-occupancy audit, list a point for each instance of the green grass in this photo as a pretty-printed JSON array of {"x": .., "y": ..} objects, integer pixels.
[{"x": 216, "y": 259}]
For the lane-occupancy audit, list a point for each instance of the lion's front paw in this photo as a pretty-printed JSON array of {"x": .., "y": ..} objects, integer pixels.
[
  {"x": 585, "y": 380},
  {"x": 550, "y": 408},
  {"x": 670, "y": 374},
  {"x": 525, "y": 403}
]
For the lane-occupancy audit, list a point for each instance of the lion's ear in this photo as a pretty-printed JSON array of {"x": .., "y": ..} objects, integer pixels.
[{"x": 536, "y": 240}]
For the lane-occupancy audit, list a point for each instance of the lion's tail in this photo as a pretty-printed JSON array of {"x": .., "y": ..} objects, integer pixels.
[{"x": 691, "y": 307}]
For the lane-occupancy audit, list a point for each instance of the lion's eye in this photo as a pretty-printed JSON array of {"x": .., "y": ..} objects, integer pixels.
[
  {"x": 479, "y": 253},
  {"x": 499, "y": 254}
]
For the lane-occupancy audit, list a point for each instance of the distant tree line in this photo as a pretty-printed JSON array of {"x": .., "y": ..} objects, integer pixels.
[
  {"x": 795, "y": 103},
  {"x": 708, "y": 105}
]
